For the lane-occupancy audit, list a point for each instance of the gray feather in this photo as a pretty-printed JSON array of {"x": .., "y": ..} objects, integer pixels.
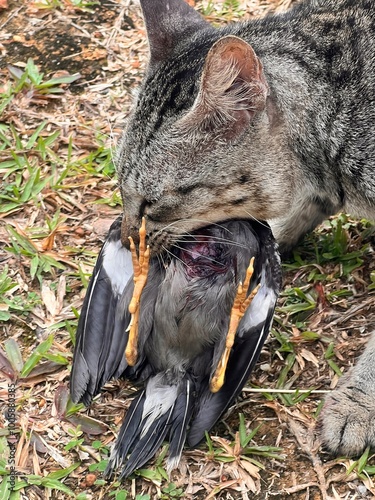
[{"x": 185, "y": 309}]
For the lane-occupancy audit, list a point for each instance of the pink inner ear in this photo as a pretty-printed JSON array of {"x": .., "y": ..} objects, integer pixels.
[
  {"x": 230, "y": 61},
  {"x": 244, "y": 58},
  {"x": 233, "y": 88},
  {"x": 229, "y": 52}
]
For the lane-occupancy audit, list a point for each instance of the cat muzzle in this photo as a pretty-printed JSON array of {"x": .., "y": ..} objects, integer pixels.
[{"x": 130, "y": 229}]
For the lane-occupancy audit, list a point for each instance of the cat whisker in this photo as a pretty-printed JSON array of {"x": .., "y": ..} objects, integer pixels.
[
  {"x": 216, "y": 239},
  {"x": 206, "y": 222},
  {"x": 161, "y": 260},
  {"x": 256, "y": 220},
  {"x": 174, "y": 256},
  {"x": 163, "y": 229}
]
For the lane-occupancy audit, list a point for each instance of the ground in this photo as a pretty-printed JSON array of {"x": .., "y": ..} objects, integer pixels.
[{"x": 67, "y": 72}]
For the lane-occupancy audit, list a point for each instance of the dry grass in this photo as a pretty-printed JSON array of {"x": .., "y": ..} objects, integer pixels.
[{"x": 58, "y": 197}]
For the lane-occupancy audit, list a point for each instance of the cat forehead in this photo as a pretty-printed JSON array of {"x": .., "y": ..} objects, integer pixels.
[
  {"x": 171, "y": 85},
  {"x": 159, "y": 102}
]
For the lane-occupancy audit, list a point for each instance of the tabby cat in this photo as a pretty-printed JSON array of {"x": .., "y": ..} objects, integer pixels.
[{"x": 272, "y": 119}]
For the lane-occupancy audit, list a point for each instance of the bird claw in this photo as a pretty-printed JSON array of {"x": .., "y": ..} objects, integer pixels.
[
  {"x": 241, "y": 303},
  {"x": 140, "y": 268}
]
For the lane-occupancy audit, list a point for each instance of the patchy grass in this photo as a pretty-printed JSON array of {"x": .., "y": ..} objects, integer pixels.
[{"x": 57, "y": 199}]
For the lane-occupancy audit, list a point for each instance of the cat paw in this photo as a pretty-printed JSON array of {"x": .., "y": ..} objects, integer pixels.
[{"x": 347, "y": 423}]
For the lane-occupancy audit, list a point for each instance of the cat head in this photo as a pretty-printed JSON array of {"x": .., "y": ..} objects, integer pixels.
[{"x": 197, "y": 144}]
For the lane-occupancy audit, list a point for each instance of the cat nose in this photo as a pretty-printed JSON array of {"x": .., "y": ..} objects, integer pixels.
[
  {"x": 132, "y": 219},
  {"x": 130, "y": 229}
]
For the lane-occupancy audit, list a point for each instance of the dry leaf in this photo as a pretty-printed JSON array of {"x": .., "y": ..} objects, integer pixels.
[
  {"x": 252, "y": 469},
  {"x": 220, "y": 487},
  {"x": 56, "y": 455},
  {"x": 368, "y": 482},
  {"x": 60, "y": 294},
  {"x": 36, "y": 465},
  {"x": 309, "y": 356},
  {"x": 224, "y": 443},
  {"x": 300, "y": 361},
  {"x": 48, "y": 242},
  {"x": 22, "y": 453},
  {"x": 49, "y": 300}
]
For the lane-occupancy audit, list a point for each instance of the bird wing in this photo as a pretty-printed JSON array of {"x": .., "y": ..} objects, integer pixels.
[
  {"x": 250, "y": 337},
  {"x": 101, "y": 337}
]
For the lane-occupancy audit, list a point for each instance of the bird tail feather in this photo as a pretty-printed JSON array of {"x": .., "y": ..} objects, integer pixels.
[
  {"x": 127, "y": 435},
  {"x": 148, "y": 445},
  {"x": 180, "y": 420},
  {"x": 159, "y": 411}
]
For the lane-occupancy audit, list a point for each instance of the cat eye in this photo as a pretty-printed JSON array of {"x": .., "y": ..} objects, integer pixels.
[{"x": 187, "y": 189}]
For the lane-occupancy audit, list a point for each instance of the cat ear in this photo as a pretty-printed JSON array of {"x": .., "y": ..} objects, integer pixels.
[
  {"x": 232, "y": 90},
  {"x": 167, "y": 22}
]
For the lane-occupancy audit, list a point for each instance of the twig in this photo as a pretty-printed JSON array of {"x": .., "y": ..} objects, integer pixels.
[
  {"x": 285, "y": 391},
  {"x": 351, "y": 312},
  {"x": 305, "y": 440},
  {"x": 10, "y": 17}
]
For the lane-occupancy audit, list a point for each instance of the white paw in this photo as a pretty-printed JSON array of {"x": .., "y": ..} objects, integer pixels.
[{"x": 348, "y": 420}]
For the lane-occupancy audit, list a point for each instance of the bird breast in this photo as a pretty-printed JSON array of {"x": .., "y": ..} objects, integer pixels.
[{"x": 193, "y": 305}]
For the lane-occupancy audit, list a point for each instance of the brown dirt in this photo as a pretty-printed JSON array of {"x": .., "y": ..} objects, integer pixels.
[{"x": 107, "y": 47}]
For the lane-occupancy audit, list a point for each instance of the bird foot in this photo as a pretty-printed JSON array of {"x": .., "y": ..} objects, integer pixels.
[
  {"x": 140, "y": 269},
  {"x": 241, "y": 303}
]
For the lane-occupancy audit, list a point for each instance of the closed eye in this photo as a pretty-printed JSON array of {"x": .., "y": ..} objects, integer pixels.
[{"x": 188, "y": 189}]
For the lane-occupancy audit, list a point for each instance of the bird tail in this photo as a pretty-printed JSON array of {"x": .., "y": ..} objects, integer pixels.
[
  {"x": 162, "y": 409},
  {"x": 182, "y": 414}
]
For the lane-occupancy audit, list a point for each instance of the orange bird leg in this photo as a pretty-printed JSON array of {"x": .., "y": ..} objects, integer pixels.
[
  {"x": 241, "y": 303},
  {"x": 140, "y": 268}
]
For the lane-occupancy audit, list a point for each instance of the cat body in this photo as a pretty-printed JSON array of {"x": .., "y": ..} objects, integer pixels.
[{"x": 272, "y": 119}]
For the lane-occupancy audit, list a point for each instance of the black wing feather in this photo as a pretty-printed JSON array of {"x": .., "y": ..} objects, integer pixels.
[
  {"x": 102, "y": 337},
  {"x": 93, "y": 364}
]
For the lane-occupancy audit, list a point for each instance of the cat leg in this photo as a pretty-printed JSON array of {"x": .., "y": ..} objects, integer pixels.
[
  {"x": 348, "y": 416},
  {"x": 140, "y": 268},
  {"x": 241, "y": 303}
]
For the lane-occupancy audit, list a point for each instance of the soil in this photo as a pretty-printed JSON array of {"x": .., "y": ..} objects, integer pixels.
[{"x": 106, "y": 45}]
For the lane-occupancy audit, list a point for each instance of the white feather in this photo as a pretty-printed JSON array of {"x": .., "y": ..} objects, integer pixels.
[
  {"x": 159, "y": 399},
  {"x": 117, "y": 263},
  {"x": 263, "y": 301}
]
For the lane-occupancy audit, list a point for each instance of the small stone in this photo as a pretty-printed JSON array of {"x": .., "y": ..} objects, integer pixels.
[
  {"x": 266, "y": 367},
  {"x": 90, "y": 479}
]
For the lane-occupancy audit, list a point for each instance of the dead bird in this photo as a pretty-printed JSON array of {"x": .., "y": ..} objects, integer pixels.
[{"x": 176, "y": 343}]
